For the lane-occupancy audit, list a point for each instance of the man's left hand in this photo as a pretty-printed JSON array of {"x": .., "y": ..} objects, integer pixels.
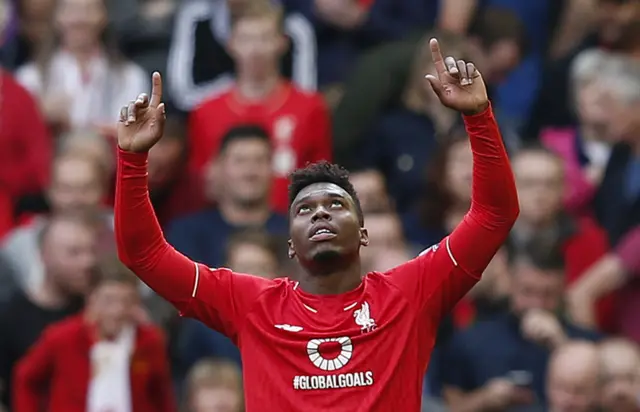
[
  {"x": 458, "y": 84},
  {"x": 543, "y": 327}
]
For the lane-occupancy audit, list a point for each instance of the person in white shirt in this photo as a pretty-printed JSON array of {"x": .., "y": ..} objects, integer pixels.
[{"x": 79, "y": 80}]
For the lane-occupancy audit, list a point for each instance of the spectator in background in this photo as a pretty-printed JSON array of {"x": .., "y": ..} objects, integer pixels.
[
  {"x": 403, "y": 140},
  {"x": 203, "y": 55},
  {"x": 243, "y": 178},
  {"x": 297, "y": 121},
  {"x": 144, "y": 29},
  {"x": 447, "y": 193},
  {"x": 250, "y": 252},
  {"x": 175, "y": 190},
  {"x": 78, "y": 184},
  {"x": 573, "y": 380},
  {"x": 616, "y": 272},
  {"x": 79, "y": 80},
  {"x": 371, "y": 187},
  {"x": 25, "y": 149},
  {"x": 120, "y": 364},
  {"x": 614, "y": 27},
  {"x": 479, "y": 360},
  {"x": 91, "y": 145},
  {"x": 384, "y": 78},
  {"x": 617, "y": 202},
  {"x": 387, "y": 245},
  {"x": 68, "y": 245},
  {"x": 620, "y": 365},
  {"x": 540, "y": 181},
  {"x": 585, "y": 147},
  {"x": 214, "y": 386},
  {"x": 34, "y": 28}
]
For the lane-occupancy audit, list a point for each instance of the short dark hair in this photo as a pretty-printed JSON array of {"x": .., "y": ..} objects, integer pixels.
[
  {"x": 323, "y": 172},
  {"x": 495, "y": 24},
  {"x": 111, "y": 270},
  {"x": 242, "y": 132},
  {"x": 257, "y": 238},
  {"x": 90, "y": 219},
  {"x": 542, "y": 254}
]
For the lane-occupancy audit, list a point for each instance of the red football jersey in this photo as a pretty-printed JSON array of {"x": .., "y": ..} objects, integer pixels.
[
  {"x": 364, "y": 350},
  {"x": 297, "y": 121}
]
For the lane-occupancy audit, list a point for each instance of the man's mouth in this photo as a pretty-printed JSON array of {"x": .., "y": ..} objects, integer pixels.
[{"x": 322, "y": 234}]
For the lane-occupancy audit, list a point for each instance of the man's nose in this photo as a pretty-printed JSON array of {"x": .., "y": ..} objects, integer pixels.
[{"x": 321, "y": 213}]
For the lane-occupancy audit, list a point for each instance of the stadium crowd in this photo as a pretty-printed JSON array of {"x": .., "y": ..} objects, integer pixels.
[{"x": 256, "y": 89}]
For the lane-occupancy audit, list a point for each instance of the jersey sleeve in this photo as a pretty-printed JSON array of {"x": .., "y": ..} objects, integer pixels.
[
  {"x": 444, "y": 273},
  {"x": 218, "y": 297}
]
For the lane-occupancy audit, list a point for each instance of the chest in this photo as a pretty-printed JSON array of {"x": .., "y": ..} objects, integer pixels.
[{"x": 361, "y": 340}]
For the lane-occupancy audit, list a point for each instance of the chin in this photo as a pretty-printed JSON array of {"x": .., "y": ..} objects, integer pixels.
[{"x": 326, "y": 256}]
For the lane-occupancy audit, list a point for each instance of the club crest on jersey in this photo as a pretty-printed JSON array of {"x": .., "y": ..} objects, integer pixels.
[{"x": 363, "y": 318}]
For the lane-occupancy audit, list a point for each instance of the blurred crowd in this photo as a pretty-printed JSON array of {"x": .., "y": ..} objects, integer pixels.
[{"x": 257, "y": 88}]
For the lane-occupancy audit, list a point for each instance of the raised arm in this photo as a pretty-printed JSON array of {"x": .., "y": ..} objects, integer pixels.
[
  {"x": 494, "y": 199},
  {"x": 446, "y": 272},
  {"x": 217, "y": 297}
]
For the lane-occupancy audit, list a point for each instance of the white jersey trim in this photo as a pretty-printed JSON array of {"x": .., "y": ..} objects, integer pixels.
[
  {"x": 455, "y": 262},
  {"x": 196, "y": 281}
]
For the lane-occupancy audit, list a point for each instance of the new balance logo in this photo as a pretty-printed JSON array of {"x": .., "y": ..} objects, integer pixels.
[{"x": 289, "y": 328}]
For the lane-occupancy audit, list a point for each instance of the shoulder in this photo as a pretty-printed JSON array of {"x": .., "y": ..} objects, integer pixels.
[
  {"x": 212, "y": 103},
  {"x": 310, "y": 99},
  {"x": 150, "y": 334},
  {"x": 576, "y": 332},
  {"x": 28, "y": 76},
  {"x": 481, "y": 333},
  {"x": 194, "y": 221},
  {"x": 65, "y": 329}
]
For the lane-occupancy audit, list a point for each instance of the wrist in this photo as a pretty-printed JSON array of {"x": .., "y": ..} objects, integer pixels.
[{"x": 478, "y": 111}]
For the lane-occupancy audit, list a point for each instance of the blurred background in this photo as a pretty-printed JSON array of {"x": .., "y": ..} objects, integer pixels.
[{"x": 255, "y": 89}]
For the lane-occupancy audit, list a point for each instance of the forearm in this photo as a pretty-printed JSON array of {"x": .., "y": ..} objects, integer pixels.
[
  {"x": 141, "y": 244},
  {"x": 494, "y": 200}
]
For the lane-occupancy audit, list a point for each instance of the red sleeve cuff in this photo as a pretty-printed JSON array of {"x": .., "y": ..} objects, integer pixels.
[
  {"x": 136, "y": 159},
  {"x": 628, "y": 252},
  {"x": 479, "y": 118}
]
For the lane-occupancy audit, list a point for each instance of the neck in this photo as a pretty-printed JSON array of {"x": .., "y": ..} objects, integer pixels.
[
  {"x": 83, "y": 55},
  {"x": 257, "y": 87},
  {"x": 325, "y": 279},
  {"x": 49, "y": 296},
  {"x": 245, "y": 214}
]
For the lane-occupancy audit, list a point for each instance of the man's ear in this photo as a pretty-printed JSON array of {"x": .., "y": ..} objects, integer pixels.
[
  {"x": 364, "y": 237},
  {"x": 291, "y": 251}
]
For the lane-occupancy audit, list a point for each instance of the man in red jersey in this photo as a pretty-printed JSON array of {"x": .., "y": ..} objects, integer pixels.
[
  {"x": 330, "y": 340},
  {"x": 297, "y": 121}
]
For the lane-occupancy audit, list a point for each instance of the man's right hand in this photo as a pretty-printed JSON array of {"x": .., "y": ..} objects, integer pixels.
[
  {"x": 500, "y": 393},
  {"x": 142, "y": 121}
]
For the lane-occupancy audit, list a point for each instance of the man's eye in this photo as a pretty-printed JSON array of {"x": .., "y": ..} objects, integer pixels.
[
  {"x": 336, "y": 203},
  {"x": 303, "y": 209}
]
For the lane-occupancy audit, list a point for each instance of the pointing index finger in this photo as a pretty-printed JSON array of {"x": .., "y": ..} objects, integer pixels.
[
  {"x": 156, "y": 90},
  {"x": 436, "y": 56}
]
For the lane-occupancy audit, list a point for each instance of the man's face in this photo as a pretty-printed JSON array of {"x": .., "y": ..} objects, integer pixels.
[
  {"x": 573, "y": 387},
  {"x": 501, "y": 59},
  {"x": 459, "y": 171},
  {"x": 164, "y": 162},
  {"x": 81, "y": 22},
  {"x": 69, "y": 252},
  {"x": 532, "y": 288},
  {"x": 621, "y": 378},
  {"x": 256, "y": 45},
  {"x": 113, "y": 305},
  {"x": 324, "y": 225},
  {"x": 539, "y": 179},
  {"x": 216, "y": 399},
  {"x": 615, "y": 18},
  {"x": 76, "y": 185},
  {"x": 253, "y": 259},
  {"x": 245, "y": 171}
]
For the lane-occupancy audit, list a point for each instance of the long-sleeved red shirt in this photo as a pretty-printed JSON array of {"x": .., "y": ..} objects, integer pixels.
[
  {"x": 363, "y": 350},
  {"x": 56, "y": 372},
  {"x": 297, "y": 121},
  {"x": 25, "y": 143}
]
